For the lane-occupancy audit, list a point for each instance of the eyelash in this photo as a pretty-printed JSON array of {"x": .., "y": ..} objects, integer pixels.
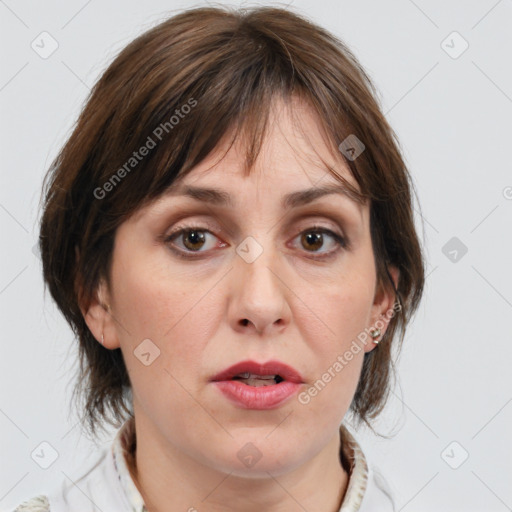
[{"x": 341, "y": 241}]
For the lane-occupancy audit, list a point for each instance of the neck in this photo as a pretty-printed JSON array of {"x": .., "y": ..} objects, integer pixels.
[{"x": 166, "y": 475}]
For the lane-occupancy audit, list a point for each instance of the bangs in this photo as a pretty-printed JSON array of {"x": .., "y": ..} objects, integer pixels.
[{"x": 183, "y": 113}]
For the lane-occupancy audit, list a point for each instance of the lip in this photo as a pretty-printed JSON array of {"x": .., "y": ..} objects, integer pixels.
[
  {"x": 263, "y": 397},
  {"x": 269, "y": 368}
]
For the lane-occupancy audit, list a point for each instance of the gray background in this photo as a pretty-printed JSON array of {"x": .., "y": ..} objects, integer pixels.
[{"x": 451, "y": 111}]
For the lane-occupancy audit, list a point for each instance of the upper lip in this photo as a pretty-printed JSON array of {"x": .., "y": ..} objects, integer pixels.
[{"x": 269, "y": 368}]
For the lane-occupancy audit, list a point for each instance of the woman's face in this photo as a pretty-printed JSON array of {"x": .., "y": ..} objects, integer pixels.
[{"x": 262, "y": 278}]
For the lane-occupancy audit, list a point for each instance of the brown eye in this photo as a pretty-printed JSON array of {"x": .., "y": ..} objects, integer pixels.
[
  {"x": 314, "y": 239},
  {"x": 193, "y": 239}
]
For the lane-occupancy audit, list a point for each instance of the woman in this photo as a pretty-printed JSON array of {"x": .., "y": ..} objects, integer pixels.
[{"x": 229, "y": 231}]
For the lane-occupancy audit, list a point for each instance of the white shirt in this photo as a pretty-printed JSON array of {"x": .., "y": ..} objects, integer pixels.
[{"x": 108, "y": 486}]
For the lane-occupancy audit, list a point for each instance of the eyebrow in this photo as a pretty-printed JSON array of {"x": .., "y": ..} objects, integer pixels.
[{"x": 292, "y": 200}]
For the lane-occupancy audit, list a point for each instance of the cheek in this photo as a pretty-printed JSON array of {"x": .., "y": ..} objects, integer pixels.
[
  {"x": 342, "y": 311},
  {"x": 154, "y": 302},
  {"x": 150, "y": 299},
  {"x": 156, "y": 305},
  {"x": 342, "y": 308}
]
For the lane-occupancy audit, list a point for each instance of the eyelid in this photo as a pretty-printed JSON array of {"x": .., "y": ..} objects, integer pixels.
[
  {"x": 191, "y": 225},
  {"x": 178, "y": 231},
  {"x": 339, "y": 219},
  {"x": 225, "y": 223},
  {"x": 310, "y": 224},
  {"x": 320, "y": 223},
  {"x": 340, "y": 238},
  {"x": 341, "y": 241}
]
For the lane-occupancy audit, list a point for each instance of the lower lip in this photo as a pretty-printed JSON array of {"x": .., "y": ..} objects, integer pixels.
[{"x": 262, "y": 397}]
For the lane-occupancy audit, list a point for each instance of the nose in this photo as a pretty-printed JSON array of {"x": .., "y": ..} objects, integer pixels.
[{"x": 259, "y": 301}]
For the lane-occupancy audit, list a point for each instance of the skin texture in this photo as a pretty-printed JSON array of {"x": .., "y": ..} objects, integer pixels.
[{"x": 301, "y": 311}]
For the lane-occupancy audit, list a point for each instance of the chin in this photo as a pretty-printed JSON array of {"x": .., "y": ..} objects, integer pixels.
[
  {"x": 262, "y": 469},
  {"x": 252, "y": 459}
]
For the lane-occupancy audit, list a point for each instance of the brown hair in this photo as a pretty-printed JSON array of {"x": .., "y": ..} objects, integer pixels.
[{"x": 227, "y": 66}]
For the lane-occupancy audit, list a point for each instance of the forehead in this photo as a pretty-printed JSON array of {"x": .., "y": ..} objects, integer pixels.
[
  {"x": 295, "y": 151},
  {"x": 295, "y": 162}
]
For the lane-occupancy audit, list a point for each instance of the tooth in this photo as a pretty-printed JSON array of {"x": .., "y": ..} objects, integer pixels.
[
  {"x": 258, "y": 383},
  {"x": 247, "y": 375}
]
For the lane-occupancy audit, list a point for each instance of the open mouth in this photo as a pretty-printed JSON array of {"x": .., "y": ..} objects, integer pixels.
[
  {"x": 251, "y": 379},
  {"x": 242, "y": 383}
]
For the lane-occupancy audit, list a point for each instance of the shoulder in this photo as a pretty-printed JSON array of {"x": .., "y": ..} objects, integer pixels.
[{"x": 37, "y": 504}]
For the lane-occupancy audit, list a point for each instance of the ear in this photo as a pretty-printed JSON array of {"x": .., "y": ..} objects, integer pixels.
[
  {"x": 383, "y": 308},
  {"x": 99, "y": 317}
]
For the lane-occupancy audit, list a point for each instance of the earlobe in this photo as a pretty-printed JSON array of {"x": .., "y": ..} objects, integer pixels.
[{"x": 384, "y": 305}]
